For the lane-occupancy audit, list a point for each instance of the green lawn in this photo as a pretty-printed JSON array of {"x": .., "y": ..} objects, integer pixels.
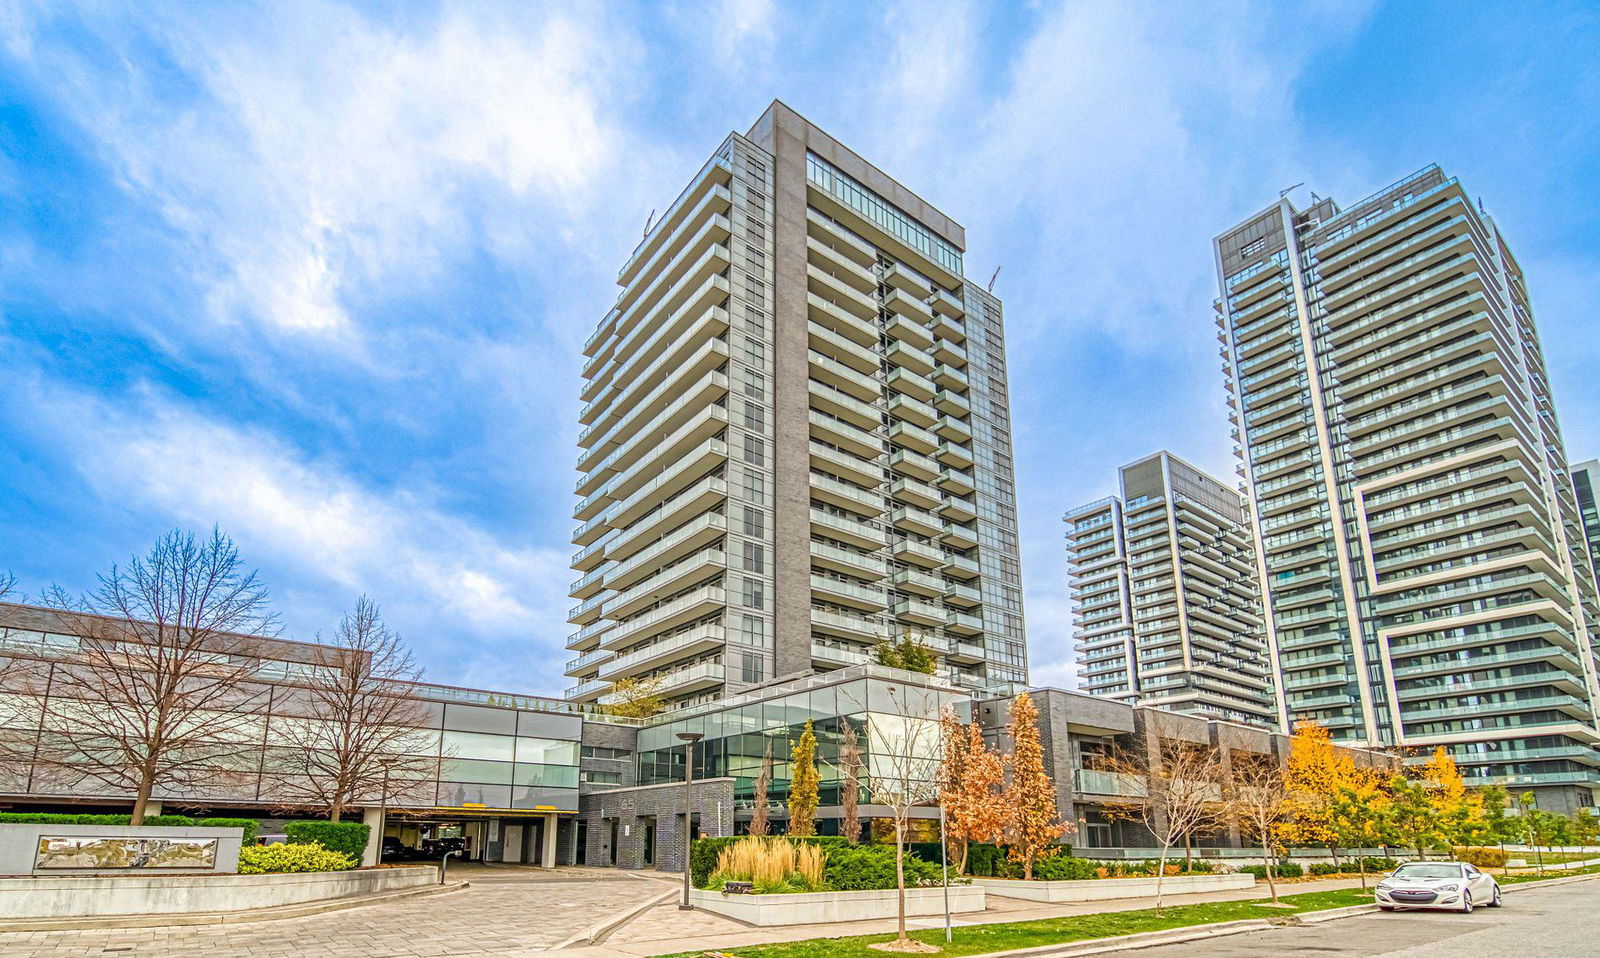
[{"x": 980, "y": 939}]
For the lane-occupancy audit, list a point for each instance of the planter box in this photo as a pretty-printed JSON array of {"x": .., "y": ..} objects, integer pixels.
[
  {"x": 102, "y": 895},
  {"x": 1101, "y": 889},
  {"x": 814, "y": 908}
]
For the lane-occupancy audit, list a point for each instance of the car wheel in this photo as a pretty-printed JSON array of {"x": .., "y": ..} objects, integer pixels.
[
  {"x": 1466, "y": 903},
  {"x": 1495, "y": 902}
]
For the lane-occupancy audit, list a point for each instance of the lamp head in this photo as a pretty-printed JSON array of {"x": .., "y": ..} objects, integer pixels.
[{"x": 690, "y": 737}]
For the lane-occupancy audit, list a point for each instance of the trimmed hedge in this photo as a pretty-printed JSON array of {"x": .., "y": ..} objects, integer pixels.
[
  {"x": 251, "y": 826},
  {"x": 1284, "y": 870},
  {"x": 1482, "y": 857},
  {"x": 864, "y": 867},
  {"x": 287, "y": 857},
  {"x": 347, "y": 838},
  {"x": 703, "y": 853},
  {"x": 985, "y": 861},
  {"x": 52, "y": 818}
]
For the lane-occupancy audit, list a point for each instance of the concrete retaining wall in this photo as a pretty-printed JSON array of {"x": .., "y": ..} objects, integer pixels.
[
  {"x": 828, "y": 906},
  {"x": 146, "y": 894},
  {"x": 1101, "y": 889}
]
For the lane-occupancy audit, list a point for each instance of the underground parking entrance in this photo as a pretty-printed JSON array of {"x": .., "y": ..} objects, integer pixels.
[{"x": 488, "y": 836}]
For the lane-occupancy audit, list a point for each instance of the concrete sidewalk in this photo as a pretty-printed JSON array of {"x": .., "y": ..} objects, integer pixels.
[{"x": 664, "y": 930}]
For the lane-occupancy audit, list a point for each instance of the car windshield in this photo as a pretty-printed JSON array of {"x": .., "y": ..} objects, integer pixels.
[{"x": 1428, "y": 871}]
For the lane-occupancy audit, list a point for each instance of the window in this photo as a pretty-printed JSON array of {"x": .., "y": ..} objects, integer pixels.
[
  {"x": 755, "y": 557},
  {"x": 754, "y": 594},
  {"x": 754, "y": 523},
  {"x": 602, "y": 778},
  {"x": 755, "y": 451}
]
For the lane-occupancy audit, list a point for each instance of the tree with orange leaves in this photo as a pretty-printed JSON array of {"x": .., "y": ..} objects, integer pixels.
[
  {"x": 970, "y": 780},
  {"x": 1030, "y": 799},
  {"x": 1316, "y": 775}
]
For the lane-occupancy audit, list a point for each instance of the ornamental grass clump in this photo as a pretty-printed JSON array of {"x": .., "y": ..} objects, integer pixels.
[{"x": 772, "y": 865}]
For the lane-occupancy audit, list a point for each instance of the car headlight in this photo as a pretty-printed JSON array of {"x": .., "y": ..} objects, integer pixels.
[
  {"x": 1449, "y": 887},
  {"x": 1383, "y": 886}
]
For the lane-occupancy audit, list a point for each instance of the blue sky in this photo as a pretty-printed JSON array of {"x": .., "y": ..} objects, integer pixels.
[{"x": 319, "y": 273}]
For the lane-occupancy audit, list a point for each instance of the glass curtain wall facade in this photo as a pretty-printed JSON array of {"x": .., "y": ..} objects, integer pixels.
[
  {"x": 1168, "y": 610},
  {"x": 895, "y": 716},
  {"x": 1585, "y": 483},
  {"x": 797, "y": 438},
  {"x": 1426, "y": 578}
]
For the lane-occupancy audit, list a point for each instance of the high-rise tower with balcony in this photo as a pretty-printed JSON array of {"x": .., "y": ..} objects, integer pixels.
[
  {"x": 1163, "y": 581},
  {"x": 796, "y": 438},
  {"x": 1426, "y": 577}
]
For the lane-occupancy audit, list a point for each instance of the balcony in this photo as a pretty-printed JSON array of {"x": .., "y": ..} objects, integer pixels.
[
  {"x": 957, "y": 509},
  {"x": 950, "y": 377},
  {"x": 846, "y": 244},
  {"x": 910, "y": 357},
  {"x": 955, "y": 454},
  {"x": 956, "y": 480},
  {"x": 701, "y": 602},
  {"x": 916, "y": 492},
  {"x": 918, "y": 581},
  {"x": 907, "y": 280},
  {"x": 948, "y": 305},
  {"x": 835, "y": 558},
  {"x": 846, "y": 495},
  {"x": 964, "y": 623},
  {"x": 837, "y": 432},
  {"x": 844, "y": 406},
  {"x": 919, "y": 612},
  {"x": 959, "y": 593},
  {"x": 907, "y": 330},
  {"x": 836, "y": 374},
  {"x": 950, "y": 353},
  {"x": 950, "y": 330},
  {"x": 959, "y": 536},
  {"x": 917, "y": 553},
  {"x": 914, "y": 464},
  {"x": 913, "y": 309},
  {"x": 954, "y": 429},
  {"x": 1091, "y": 782},
  {"x": 671, "y": 578},
  {"x": 847, "y": 528},
  {"x": 961, "y": 567},
  {"x": 701, "y": 638},
  {"x": 841, "y": 266},
  {"x": 852, "y": 626},
  {"x": 841, "y": 591},
  {"x": 863, "y": 332},
  {"x": 917, "y": 520},
  {"x": 905, "y": 381},
  {"x": 845, "y": 464},
  {"x": 695, "y": 678},
  {"x": 912, "y": 410},
  {"x": 692, "y": 501},
  {"x": 913, "y": 437},
  {"x": 835, "y": 655},
  {"x": 952, "y": 403},
  {"x": 863, "y": 359},
  {"x": 968, "y": 653},
  {"x": 701, "y": 532}
]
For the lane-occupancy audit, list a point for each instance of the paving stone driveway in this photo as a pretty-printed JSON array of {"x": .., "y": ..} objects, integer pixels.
[{"x": 505, "y": 912}]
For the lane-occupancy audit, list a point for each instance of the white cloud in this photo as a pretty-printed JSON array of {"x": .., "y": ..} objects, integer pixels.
[
  {"x": 481, "y": 610},
  {"x": 319, "y": 157}
]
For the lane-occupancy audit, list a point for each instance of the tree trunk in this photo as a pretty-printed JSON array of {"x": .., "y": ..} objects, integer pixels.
[
  {"x": 1361, "y": 867},
  {"x": 141, "y": 799},
  {"x": 335, "y": 811},
  {"x": 900, "y": 876},
  {"x": 1333, "y": 851},
  {"x": 1161, "y": 875},
  {"x": 1266, "y": 861},
  {"x": 1188, "y": 854}
]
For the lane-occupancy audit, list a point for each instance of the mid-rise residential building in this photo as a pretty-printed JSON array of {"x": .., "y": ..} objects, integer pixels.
[
  {"x": 1167, "y": 612},
  {"x": 1426, "y": 577},
  {"x": 796, "y": 438}
]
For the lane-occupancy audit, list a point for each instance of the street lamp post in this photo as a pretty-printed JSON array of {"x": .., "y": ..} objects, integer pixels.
[{"x": 688, "y": 739}]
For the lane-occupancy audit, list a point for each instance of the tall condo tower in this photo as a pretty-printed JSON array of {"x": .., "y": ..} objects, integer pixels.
[
  {"x": 1163, "y": 578},
  {"x": 1586, "y": 486},
  {"x": 1426, "y": 576},
  {"x": 797, "y": 438}
]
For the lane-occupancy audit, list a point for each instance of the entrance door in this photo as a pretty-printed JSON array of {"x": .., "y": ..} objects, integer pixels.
[
  {"x": 650, "y": 843},
  {"x": 511, "y": 843},
  {"x": 582, "y": 850}
]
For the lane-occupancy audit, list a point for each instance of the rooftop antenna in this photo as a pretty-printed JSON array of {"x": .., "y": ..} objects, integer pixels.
[
  {"x": 1289, "y": 189},
  {"x": 993, "y": 278},
  {"x": 649, "y": 221}
]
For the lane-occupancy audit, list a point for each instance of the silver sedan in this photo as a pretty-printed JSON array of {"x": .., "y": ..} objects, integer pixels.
[{"x": 1455, "y": 886}]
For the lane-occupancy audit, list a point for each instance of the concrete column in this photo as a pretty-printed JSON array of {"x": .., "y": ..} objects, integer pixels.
[
  {"x": 152, "y": 808},
  {"x": 373, "y": 819},
  {"x": 547, "y": 855}
]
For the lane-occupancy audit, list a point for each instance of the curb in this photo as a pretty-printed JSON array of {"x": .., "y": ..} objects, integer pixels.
[
  {"x": 275, "y": 913},
  {"x": 1178, "y": 936},
  {"x": 598, "y": 931}
]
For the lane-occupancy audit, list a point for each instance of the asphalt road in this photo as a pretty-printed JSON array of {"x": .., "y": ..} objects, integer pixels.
[{"x": 1562, "y": 921}]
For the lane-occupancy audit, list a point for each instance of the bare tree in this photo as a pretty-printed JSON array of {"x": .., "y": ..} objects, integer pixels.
[
  {"x": 850, "y": 784},
  {"x": 902, "y": 774},
  {"x": 760, "y": 819},
  {"x": 361, "y": 739},
  {"x": 158, "y": 693},
  {"x": 1178, "y": 788},
  {"x": 8, "y": 584},
  {"x": 1259, "y": 801},
  {"x": 17, "y": 721}
]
